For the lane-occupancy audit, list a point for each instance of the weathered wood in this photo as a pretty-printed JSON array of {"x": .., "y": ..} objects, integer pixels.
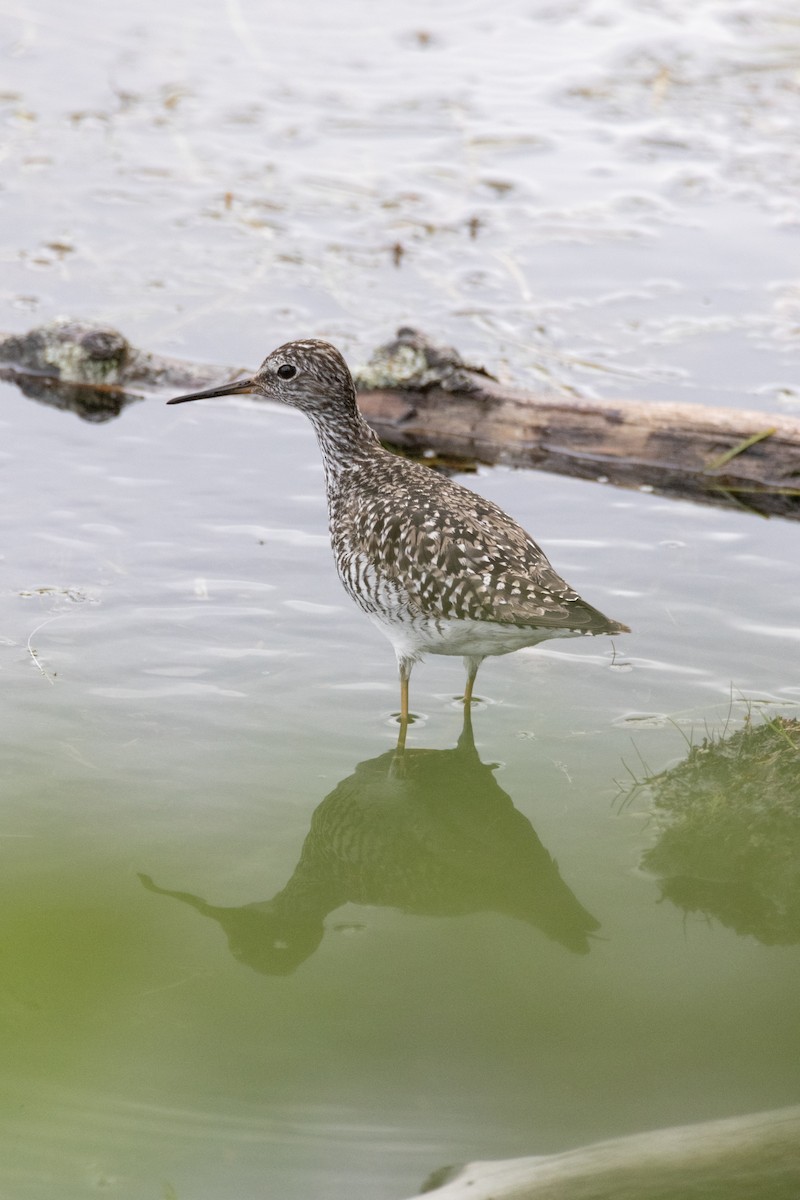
[
  {"x": 756, "y": 1157},
  {"x": 669, "y": 448},
  {"x": 421, "y": 397}
]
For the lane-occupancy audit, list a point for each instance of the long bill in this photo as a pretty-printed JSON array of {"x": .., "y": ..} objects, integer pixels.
[{"x": 226, "y": 389}]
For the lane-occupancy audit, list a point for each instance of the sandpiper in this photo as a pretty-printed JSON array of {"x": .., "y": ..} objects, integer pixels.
[{"x": 438, "y": 568}]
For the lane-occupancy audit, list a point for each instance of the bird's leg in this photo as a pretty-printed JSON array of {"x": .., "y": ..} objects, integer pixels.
[
  {"x": 471, "y": 664},
  {"x": 404, "y": 666}
]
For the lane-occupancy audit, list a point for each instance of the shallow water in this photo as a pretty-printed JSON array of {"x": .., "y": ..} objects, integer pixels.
[
  {"x": 185, "y": 683},
  {"x": 599, "y": 193}
]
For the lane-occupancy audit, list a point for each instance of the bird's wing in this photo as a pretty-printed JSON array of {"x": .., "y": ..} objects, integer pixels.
[{"x": 454, "y": 554}]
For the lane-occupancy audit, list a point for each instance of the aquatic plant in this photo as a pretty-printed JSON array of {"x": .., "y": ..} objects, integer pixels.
[{"x": 728, "y": 820}]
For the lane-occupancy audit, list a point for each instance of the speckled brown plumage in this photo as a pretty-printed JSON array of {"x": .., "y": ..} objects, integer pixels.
[
  {"x": 438, "y": 568},
  {"x": 451, "y": 553}
]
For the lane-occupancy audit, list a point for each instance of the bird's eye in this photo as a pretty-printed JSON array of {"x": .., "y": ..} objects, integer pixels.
[{"x": 287, "y": 371}]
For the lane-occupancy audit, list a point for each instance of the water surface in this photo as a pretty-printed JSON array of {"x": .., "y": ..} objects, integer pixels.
[
  {"x": 596, "y": 194},
  {"x": 186, "y": 684},
  {"x": 245, "y": 952}
]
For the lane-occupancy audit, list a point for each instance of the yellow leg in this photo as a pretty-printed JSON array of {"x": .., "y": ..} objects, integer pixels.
[
  {"x": 471, "y": 665},
  {"x": 405, "y": 674}
]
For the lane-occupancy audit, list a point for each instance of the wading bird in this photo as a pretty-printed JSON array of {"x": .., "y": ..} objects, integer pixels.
[{"x": 437, "y": 568}]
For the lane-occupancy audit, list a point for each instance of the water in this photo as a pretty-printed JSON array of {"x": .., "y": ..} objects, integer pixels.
[
  {"x": 185, "y": 683},
  {"x": 599, "y": 194},
  {"x": 200, "y": 684}
]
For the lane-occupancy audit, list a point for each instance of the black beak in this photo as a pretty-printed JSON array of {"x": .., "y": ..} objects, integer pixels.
[{"x": 227, "y": 389}]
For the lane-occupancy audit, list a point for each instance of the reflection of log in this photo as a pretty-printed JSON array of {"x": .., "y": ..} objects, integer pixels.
[
  {"x": 756, "y": 1157},
  {"x": 422, "y": 397}
]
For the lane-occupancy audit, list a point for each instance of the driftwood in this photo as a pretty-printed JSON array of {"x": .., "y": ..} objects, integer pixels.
[
  {"x": 756, "y": 1157},
  {"x": 424, "y": 398},
  {"x": 92, "y": 370},
  {"x": 718, "y": 456}
]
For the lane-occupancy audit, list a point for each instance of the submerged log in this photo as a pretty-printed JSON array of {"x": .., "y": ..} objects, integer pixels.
[
  {"x": 421, "y": 398},
  {"x": 742, "y": 1158}
]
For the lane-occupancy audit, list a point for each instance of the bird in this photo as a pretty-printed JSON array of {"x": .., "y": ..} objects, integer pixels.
[{"x": 438, "y": 568}]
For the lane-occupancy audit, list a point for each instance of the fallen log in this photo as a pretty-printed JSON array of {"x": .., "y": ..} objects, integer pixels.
[
  {"x": 92, "y": 370},
  {"x": 421, "y": 398},
  {"x": 719, "y": 456},
  {"x": 741, "y": 1158}
]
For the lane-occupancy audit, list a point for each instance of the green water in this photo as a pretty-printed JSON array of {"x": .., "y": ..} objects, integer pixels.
[
  {"x": 599, "y": 195},
  {"x": 184, "y": 685}
]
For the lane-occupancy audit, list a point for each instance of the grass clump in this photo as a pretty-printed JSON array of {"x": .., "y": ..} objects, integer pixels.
[{"x": 728, "y": 820}]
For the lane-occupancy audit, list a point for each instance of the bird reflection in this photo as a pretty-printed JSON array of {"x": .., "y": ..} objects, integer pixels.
[{"x": 429, "y": 832}]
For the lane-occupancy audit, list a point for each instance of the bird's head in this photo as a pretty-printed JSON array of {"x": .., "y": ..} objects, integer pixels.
[{"x": 308, "y": 375}]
